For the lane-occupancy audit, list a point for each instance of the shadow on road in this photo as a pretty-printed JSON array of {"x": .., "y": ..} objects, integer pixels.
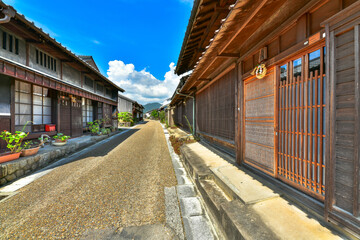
[{"x": 100, "y": 149}]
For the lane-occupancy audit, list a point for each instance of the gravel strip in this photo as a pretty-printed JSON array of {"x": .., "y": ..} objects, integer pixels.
[{"x": 116, "y": 185}]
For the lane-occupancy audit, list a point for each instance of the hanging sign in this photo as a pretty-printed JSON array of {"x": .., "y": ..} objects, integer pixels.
[{"x": 259, "y": 71}]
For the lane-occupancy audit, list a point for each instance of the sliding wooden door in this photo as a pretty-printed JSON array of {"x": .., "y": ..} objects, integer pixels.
[{"x": 301, "y": 122}]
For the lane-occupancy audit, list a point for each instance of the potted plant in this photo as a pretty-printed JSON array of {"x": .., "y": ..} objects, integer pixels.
[
  {"x": 103, "y": 131},
  {"x": 60, "y": 139},
  {"x": 13, "y": 143},
  {"x": 28, "y": 150},
  {"x": 94, "y": 127},
  {"x": 113, "y": 129}
]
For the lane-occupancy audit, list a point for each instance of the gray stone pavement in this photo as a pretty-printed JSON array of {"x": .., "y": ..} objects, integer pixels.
[{"x": 121, "y": 189}]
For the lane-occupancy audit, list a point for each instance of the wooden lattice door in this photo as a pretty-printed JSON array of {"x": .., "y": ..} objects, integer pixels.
[
  {"x": 65, "y": 115},
  {"x": 76, "y": 117},
  {"x": 301, "y": 123}
]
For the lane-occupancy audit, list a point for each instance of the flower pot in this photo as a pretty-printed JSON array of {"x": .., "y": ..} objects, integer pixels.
[
  {"x": 59, "y": 143},
  {"x": 5, "y": 157},
  {"x": 29, "y": 152}
]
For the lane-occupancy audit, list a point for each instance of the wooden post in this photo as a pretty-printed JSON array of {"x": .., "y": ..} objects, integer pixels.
[
  {"x": 239, "y": 95},
  {"x": 12, "y": 105},
  {"x": 357, "y": 119},
  {"x": 330, "y": 121},
  {"x": 276, "y": 119},
  {"x": 58, "y": 123}
]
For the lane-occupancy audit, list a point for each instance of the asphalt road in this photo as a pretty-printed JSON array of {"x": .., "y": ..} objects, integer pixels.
[{"x": 117, "y": 185}]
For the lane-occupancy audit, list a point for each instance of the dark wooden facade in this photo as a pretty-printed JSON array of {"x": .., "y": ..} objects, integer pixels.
[
  {"x": 343, "y": 44},
  {"x": 300, "y": 123},
  {"x": 184, "y": 109},
  {"x": 46, "y": 83}
]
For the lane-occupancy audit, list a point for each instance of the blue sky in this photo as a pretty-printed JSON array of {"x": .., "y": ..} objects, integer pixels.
[{"x": 141, "y": 38}]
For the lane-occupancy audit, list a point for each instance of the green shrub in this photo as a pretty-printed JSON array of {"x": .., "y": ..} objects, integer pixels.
[
  {"x": 155, "y": 114},
  {"x": 125, "y": 117},
  {"x": 162, "y": 116}
]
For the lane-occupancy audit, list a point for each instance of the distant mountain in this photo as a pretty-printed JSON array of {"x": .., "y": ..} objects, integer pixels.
[{"x": 151, "y": 106}]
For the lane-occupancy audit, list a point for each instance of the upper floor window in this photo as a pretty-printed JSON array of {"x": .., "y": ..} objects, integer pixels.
[
  {"x": 88, "y": 82},
  {"x": 10, "y": 43},
  {"x": 45, "y": 60},
  {"x": 99, "y": 88}
]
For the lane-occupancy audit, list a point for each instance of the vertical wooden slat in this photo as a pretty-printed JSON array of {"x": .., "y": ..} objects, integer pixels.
[
  {"x": 298, "y": 179},
  {"x": 321, "y": 119},
  {"x": 290, "y": 80},
  {"x": 239, "y": 113},
  {"x": 315, "y": 160},
  {"x": 357, "y": 119},
  {"x": 286, "y": 111},
  {"x": 305, "y": 158},
  {"x": 310, "y": 156},
  {"x": 292, "y": 121},
  {"x": 276, "y": 119},
  {"x": 280, "y": 130}
]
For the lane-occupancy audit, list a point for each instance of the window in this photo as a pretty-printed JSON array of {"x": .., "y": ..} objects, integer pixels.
[
  {"x": 16, "y": 46},
  {"x": 4, "y": 40},
  {"x": 283, "y": 73},
  {"x": 89, "y": 82},
  {"x": 41, "y": 105},
  {"x": 99, "y": 89},
  {"x": 45, "y": 60},
  {"x": 10, "y": 43},
  {"x": 22, "y": 106},
  {"x": 297, "y": 67},
  {"x": 314, "y": 62},
  {"x": 37, "y": 56},
  {"x": 100, "y": 111},
  {"x": 108, "y": 92},
  {"x": 88, "y": 111}
]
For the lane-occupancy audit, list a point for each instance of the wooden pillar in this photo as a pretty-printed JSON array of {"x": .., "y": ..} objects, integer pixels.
[
  {"x": 12, "y": 105},
  {"x": 330, "y": 121},
  {"x": 239, "y": 95},
  {"x": 27, "y": 46},
  {"x": 357, "y": 121},
  {"x": 58, "y": 123}
]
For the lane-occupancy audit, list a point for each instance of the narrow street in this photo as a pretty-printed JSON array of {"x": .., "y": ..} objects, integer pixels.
[{"x": 117, "y": 185}]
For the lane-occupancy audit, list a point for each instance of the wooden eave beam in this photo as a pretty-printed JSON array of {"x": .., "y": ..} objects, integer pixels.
[
  {"x": 203, "y": 80},
  {"x": 209, "y": 3},
  {"x": 199, "y": 29},
  {"x": 22, "y": 31},
  {"x": 229, "y": 55},
  {"x": 253, "y": 13}
]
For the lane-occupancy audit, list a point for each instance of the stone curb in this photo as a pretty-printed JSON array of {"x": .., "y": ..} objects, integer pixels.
[{"x": 195, "y": 220}]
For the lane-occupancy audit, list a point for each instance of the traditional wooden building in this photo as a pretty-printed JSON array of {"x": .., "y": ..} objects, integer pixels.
[
  {"x": 137, "y": 111},
  {"x": 125, "y": 104},
  {"x": 43, "y": 82},
  {"x": 296, "y": 119}
]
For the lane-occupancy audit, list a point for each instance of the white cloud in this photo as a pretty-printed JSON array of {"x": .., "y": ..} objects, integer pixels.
[
  {"x": 96, "y": 42},
  {"x": 142, "y": 86}
]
